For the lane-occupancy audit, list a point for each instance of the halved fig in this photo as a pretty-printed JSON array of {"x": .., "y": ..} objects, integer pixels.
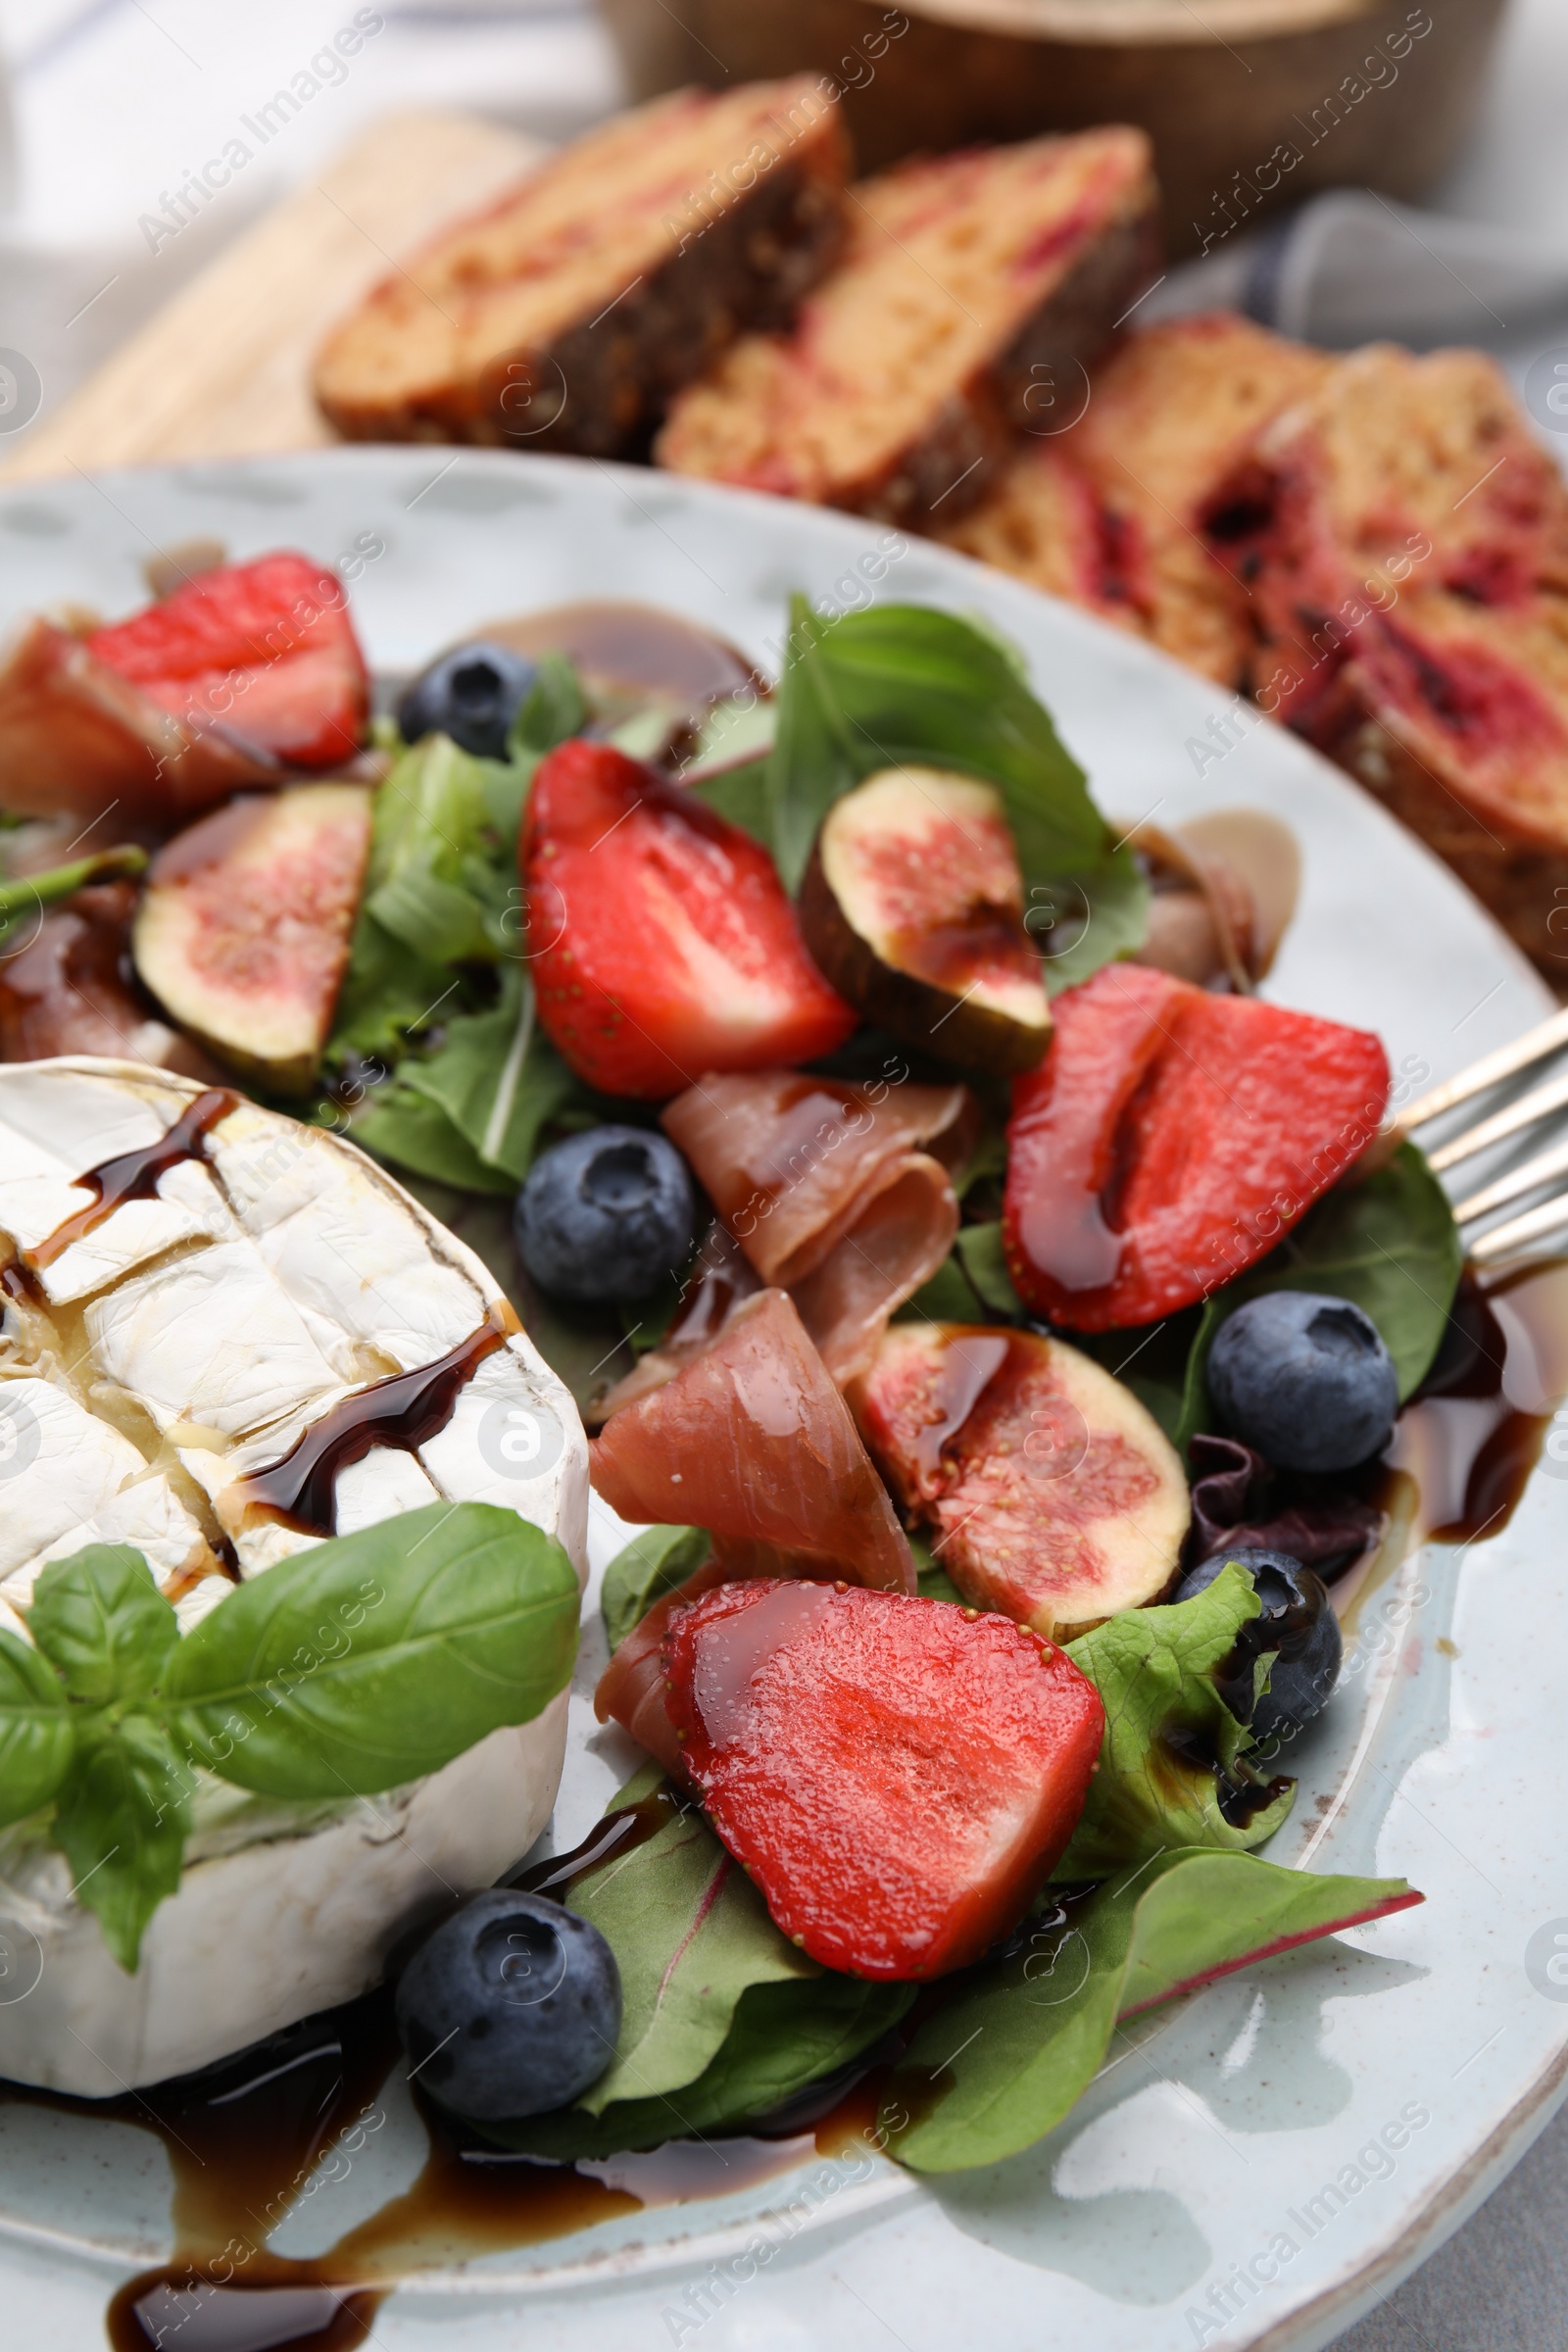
[
  {"x": 1057, "y": 1497},
  {"x": 243, "y": 932},
  {"x": 912, "y": 907}
]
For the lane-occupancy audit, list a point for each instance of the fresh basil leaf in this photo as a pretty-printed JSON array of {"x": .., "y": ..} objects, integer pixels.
[
  {"x": 690, "y": 1933},
  {"x": 994, "y": 2070},
  {"x": 1106, "y": 915},
  {"x": 903, "y": 684},
  {"x": 783, "y": 2037},
  {"x": 37, "y": 1736},
  {"x": 739, "y": 795},
  {"x": 1172, "y": 1751},
  {"x": 1388, "y": 1243},
  {"x": 120, "y": 1820},
  {"x": 650, "y": 1565},
  {"x": 378, "y": 1657},
  {"x": 102, "y": 1623}
]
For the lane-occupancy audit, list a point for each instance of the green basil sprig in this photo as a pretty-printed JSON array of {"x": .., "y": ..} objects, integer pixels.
[{"x": 356, "y": 1666}]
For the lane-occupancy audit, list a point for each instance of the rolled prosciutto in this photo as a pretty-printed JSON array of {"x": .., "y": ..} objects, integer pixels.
[
  {"x": 840, "y": 1195},
  {"x": 772, "y": 1466}
]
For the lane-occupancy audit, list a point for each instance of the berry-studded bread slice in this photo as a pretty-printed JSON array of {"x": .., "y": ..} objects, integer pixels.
[
  {"x": 969, "y": 283},
  {"x": 565, "y": 316},
  {"x": 1110, "y": 512},
  {"x": 1409, "y": 541}
]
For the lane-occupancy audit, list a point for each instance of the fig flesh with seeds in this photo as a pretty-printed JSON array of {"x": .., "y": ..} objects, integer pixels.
[
  {"x": 912, "y": 907},
  {"x": 243, "y": 930}
]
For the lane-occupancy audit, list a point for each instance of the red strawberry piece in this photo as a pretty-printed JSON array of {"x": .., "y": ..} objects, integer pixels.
[
  {"x": 663, "y": 944},
  {"x": 266, "y": 651},
  {"x": 898, "y": 1776},
  {"x": 1169, "y": 1138}
]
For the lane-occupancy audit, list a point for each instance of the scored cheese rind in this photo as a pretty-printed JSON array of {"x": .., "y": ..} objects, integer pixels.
[{"x": 224, "y": 1321}]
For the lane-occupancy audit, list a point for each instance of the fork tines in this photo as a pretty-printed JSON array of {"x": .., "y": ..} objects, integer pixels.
[{"x": 1547, "y": 1167}]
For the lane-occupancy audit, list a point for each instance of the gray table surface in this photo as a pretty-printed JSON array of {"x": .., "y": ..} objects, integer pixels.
[{"x": 1500, "y": 2283}]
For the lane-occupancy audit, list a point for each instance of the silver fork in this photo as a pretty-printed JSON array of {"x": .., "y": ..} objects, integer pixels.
[{"x": 1548, "y": 1168}]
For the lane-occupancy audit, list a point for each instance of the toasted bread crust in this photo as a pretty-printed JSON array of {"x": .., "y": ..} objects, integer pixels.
[
  {"x": 900, "y": 389},
  {"x": 565, "y": 316}
]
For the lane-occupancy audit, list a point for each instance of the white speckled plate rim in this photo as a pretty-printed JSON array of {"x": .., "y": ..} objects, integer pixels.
[{"x": 1240, "y": 2174}]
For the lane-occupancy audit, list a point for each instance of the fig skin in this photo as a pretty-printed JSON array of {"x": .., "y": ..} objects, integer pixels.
[{"x": 919, "y": 1013}]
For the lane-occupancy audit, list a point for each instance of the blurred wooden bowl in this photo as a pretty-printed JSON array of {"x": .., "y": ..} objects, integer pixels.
[{"x": 1252, "y": 104}]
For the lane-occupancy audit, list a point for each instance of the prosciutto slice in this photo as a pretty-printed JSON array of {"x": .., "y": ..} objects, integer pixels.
[
  {"x": 751, "y": 1439},
  {"x": 75, "y": 735},
  {"x": 841, "y": 1195}
]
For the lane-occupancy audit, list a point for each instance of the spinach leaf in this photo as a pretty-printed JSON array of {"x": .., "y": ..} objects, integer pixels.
[
  {"x": 650, "y": 1565},
  {"x": 102, "y": 1623},
  {"x": 933, "y": 1580},
  {"x": 378, "y": 1657},
  {"x": 1388, "y": 1243},
  {"x": 998, "y": 2068},
  {"x": 37, "y": 1737},
  {"x": 903, "y": 684},
  {"x": 120, "y": 1821},
  {"x": 1171, "y": 1748},
  {"x": 979, "y": 1246},
  {"x": 783, "y": 2037},
  {"x": 690, "y": 1933}
]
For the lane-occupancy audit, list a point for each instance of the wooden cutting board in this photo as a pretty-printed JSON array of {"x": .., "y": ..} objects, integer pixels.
[{"x": 224, "y": 369}]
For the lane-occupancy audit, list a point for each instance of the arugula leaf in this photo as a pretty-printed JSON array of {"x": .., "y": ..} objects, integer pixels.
[
  {"x": 994, "y": 2070},
  {"x": 100, "y": 1620},
  {"x": 120, "y": 1821},
  {"x": 1388, "y": 1243},
  {"x": 406, "y": 1127},
  {"x": 469, "y": 1114},
  {"x": 1172, "y": 1751},
  {"x": 783, "y": 2037},
  {"x": 37, "y": 1737},
  {"x": 378, "y": 1657},
  {"x": 690, "y": 1933},
  {"x": 650, "y": 1565},
  {"x": 904, "y": 684}
]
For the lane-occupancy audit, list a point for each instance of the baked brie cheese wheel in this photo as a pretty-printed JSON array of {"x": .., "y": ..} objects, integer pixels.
[{"x": 190, "y": 1284}]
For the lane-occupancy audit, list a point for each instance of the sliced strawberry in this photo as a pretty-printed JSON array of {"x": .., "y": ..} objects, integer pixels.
[
  {"x": 899, "y": 1775},
  {"x": 664, "y": 944},
  {"x": 266, "y": 651},
  {"x": 1058, "y": 1498},
  {"x": 1168, "y": 1139}
]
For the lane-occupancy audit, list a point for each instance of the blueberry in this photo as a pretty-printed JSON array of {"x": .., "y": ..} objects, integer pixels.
[
  {"x": 1306, "y": 1379},
  {"x": 605, "y": 1215},
  {"x": 512, "y": 2007},
  {"x": 472, "y": 694},
  {"x": 1297, "y": 1624}
]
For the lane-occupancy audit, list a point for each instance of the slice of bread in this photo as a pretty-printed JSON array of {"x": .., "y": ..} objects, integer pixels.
[
  {"x": 1110, "y": 512},
  {"x": 1409, "y": 541},
  {"x": 565, "y": 316},
  {"x": 969, "y": 282}
]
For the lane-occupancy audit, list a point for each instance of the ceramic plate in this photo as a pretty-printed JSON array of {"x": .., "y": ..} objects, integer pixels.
[{"x": 1262, "y": 2160}]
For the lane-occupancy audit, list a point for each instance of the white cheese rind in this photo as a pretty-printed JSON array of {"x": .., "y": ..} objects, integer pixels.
[
  {"x": 257, "y": 1939},
  {"x": 234, "y": 1344}
]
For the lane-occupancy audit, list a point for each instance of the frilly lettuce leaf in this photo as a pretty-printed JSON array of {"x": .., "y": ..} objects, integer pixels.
[{"x": 1172, "y": 1763}]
